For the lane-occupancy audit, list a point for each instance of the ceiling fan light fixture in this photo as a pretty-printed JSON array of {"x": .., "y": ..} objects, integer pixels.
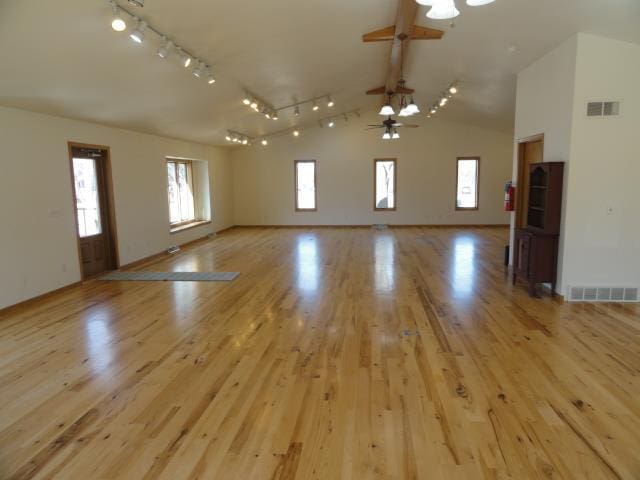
[
  {"x": 443, "y": 10},
  {"x": 479, "y": 3},
  {"x": 387, "y": 110},
  {"x": 386, "y": 135},
  {"x": 412, "y": 107},
  {"x": 395, "y": 135}
]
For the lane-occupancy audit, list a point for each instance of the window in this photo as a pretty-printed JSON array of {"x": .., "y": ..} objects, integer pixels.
[
  {"x": 181, "y": 198},
  {"x": 85, "y": 177},
  {"x": 305, "y": 173},
  {"x": 467, "y": 183},
  {"x": 385, "y": 184}
]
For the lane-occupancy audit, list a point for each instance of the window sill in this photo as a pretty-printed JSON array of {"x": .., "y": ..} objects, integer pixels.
[{"x": 188, "y": 226}]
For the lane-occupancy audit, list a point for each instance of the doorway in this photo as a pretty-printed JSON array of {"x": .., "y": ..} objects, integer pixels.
[
  {"x": 93, "y": 203},
  {"x": 530, "y": 151}
]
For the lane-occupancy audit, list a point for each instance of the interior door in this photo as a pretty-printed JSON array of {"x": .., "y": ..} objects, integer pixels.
[
  {"x": 95, "y": 242},
  {"x": 529, "y": 152}
]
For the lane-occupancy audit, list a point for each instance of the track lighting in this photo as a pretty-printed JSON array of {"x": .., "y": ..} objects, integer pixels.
[
  {"x": 245, "y": 141},
  {"x": 210, "y": 79},
  {"x": 330, "y": 102},
  {"x": 443, "y": 101},
  {"x": 296, "y": 111},
  {"x": 296, "y": 133},
  {"x": 117, "y": 22},
  {"x": 185, "y": 59},
  {"x": 265, "y": 142},
  {"x": 136, "y": 3},
  {"x": 315, "y": 106},
  {"x": 165, "y": 48},
  {"x": 331, "y": 124},
  {"x": 198, "y": 70},
  {"x": 453, "y": 88},
  {"x": 433, "y": 110},
  {"x": 274, "y": 116},
  {"x": 138, "y": 34},
  {"x": 246, "y": 100}
]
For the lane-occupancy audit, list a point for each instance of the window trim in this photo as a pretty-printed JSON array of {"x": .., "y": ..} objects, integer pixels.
[
  {"x": 177, "y": 225},
  {"x": 395, "y": 184},
  {"x": 455, "y": 196},
  {"x": 315, "y": 186}
]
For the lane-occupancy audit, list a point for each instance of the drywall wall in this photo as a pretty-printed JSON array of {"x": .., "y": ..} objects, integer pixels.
[
  {"x": 38, "y": 250},
  {"x": 600, "y": 234},
  {"x": 544, "y": 104},
  {"x": 602, "y": 230},
  {"x": 426, "y": 167}
]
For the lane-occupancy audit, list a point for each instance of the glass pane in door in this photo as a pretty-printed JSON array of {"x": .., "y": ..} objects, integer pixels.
[{"x": 85, "y": 177}]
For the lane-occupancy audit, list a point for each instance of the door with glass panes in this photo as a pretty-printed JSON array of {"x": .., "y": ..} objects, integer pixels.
[{"x": 96, "y": 244}]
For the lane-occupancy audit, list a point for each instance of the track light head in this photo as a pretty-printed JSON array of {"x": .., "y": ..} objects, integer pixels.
[
  {"x": 315, "y": 106},
  {"x": 330, "y": 102},
  {"x": 210, "y": 79},
  {"x": 296, "y": 133},
  {"x": 198, "y": 70},
  {"x": 165, "y": 48},
  {"x": 264, "y": 142},
  {"x": 117, "y": 22},
  {"x": 185, "y": 60},
  {"x": 228, "y": 138},
  {"x": 296, "y": 111},
  {"x": 136, "y": 3},
  {"x": 138, "y": 34},
  {"x": 274, "y": 116},
  {"x": 331, "y": 124},
  {"x": 453, "y": 88}
]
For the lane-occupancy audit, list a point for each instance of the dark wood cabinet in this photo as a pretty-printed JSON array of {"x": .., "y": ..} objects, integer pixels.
[{"x": 536, "y": 246}]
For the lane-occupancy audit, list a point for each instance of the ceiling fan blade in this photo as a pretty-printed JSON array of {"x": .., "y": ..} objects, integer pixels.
[
  {"x": 376, "y": 125},
  {"x": 411, "y": 126},
  {"x": 374, "y": 128}
]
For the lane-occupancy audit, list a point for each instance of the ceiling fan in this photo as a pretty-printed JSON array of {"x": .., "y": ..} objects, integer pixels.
[{"x": 391, "y": 128}]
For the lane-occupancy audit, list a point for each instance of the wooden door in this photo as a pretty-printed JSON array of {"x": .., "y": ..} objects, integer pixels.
[
  {"x": 530, "y": 151},
  {"x": 96, "y": 238}
]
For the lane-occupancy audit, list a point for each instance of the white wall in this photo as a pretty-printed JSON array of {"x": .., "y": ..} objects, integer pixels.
[
  {"x": 600, "y": 234},
  {"x": 38, "y": 249},
  {"x": 426, "y": 165},
  {"x": 544, "y": 104},
  {"x": 603, "y": 225}
]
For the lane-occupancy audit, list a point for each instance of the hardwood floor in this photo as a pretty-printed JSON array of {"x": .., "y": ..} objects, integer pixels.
[{"x": 337, "y": 354}]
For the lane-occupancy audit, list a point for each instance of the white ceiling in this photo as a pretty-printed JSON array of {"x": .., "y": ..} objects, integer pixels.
[{"x": 63, "y": 58}]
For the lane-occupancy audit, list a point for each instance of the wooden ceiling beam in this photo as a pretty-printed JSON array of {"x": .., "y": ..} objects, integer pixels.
[{"x": 403, "y": 31}]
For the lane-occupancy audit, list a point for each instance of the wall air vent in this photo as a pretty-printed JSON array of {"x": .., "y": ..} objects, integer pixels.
[
  {"x": 603, "y": 109},
  {"x": 604, "y": 294}
]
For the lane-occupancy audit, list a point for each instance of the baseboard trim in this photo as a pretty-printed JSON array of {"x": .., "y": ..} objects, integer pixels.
[
  {"x": 138, "y": 263},
  {"x": 391, "y": 225},
  {"x": 39, "y": 298}
]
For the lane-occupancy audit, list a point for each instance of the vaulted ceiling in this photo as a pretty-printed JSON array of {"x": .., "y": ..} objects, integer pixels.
[{"x": 63, "y": 58}]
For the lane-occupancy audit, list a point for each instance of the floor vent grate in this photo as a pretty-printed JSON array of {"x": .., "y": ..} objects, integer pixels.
[{"x": 604, "y": 294}]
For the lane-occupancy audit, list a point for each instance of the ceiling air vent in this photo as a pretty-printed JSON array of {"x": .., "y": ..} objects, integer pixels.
[
  {"x": 604, "y": 294},
  {"x": 603, "y": 109}
]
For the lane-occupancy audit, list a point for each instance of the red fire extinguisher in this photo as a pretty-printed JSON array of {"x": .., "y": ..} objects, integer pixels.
[{"x": 509, "y": 197}]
